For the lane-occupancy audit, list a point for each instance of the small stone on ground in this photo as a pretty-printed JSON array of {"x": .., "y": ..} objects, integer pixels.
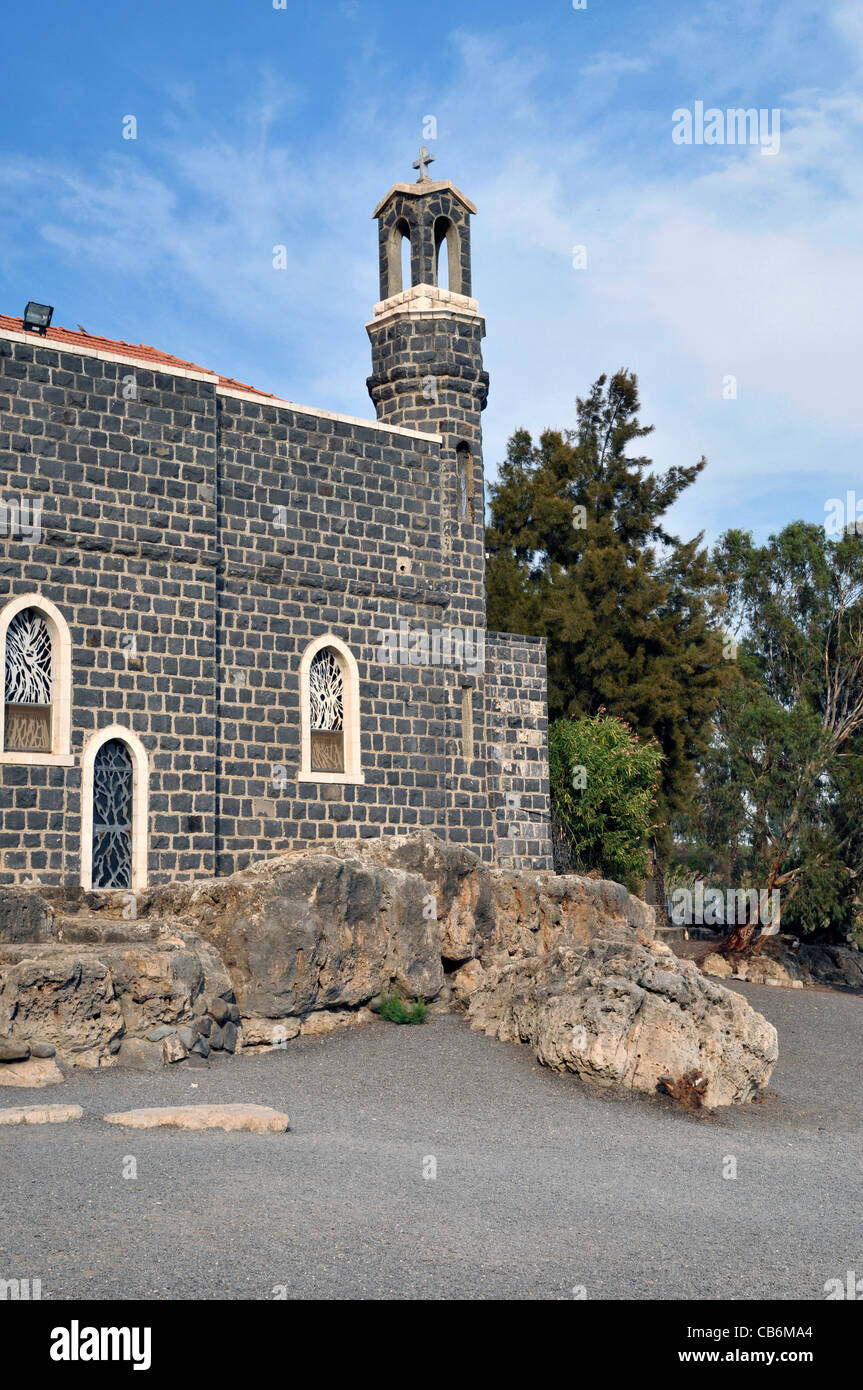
[
  {"x": 260, "y": 1119},
  {"x": 39, "y": 1114},
  {"x": 37, "y": 1072}
]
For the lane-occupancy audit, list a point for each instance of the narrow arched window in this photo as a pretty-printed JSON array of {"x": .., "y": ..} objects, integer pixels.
[
  {"x": 29, "y": 684},
  {"x": 447, "y": 252},
  {"x": 464, "y": 482},
  {"x": 114, "y": 811},
  {"x": 113, "y": 781},
  {"x": 442, "y": 259},
  {"x": 398, "y": 261},
  {"x": 329, "y": 713},
  {"x": 405, "y": 253}
]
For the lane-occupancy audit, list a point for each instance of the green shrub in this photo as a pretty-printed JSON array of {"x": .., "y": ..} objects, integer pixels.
[
  {"x": 394, "y": 1009},
  {"x": 604, "y": 782}
]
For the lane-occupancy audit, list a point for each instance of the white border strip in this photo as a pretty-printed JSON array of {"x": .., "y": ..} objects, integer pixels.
[
  {"x": 326, "y": 414},
  {"x": 166, "y": 369},
  {"x": 80, "y": 350}
]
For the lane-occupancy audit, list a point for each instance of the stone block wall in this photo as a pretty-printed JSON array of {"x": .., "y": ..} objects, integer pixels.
[
  {"x": 517, "y": 731},
  {"x": 329, "y": 527},
  {"x": 122, "y": 461},
  {"x": 196, "y": 539},
  {"x": 427, "y": 376}
]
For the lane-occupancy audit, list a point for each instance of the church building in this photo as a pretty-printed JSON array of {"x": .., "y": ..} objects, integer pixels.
[{"x": 231, "y": 625}]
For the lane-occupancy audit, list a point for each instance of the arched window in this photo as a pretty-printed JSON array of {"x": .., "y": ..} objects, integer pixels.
[
  {"x": 464, "y": 482},
  {"x": 114, "y": 810},
  {"x": 405, "y": 269},
  {"x": 35, "y": 713},
  {"x": 399, "y": 275},
  {"x": 329, "y": 713},
  {"x": 446, "y": 252},
  {"x": 29, "y": 683},
  {"x": 442, "y": 264}
]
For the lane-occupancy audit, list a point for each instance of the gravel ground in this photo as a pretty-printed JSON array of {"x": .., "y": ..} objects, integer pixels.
[{"x": 543, "y": 1184}]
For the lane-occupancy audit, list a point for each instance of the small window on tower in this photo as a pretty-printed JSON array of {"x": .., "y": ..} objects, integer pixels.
[
  {"x": 464, "y": 481},
  {"x": 467, "y": 723},
  {"x": 447, "y": 252},
  {"x": 405, "y": 253},
  {"x": 396, "y": 272}
]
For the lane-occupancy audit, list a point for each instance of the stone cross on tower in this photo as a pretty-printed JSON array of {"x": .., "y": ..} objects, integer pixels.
[{"x": 424, "y": 159}]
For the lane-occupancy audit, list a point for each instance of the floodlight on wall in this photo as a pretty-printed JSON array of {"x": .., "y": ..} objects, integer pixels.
[{"x": 37, "y": 317}]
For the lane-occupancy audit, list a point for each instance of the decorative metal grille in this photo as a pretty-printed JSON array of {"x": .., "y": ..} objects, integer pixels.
[
  {"x": 28, "y": 660},
  {"x": 326, "y": 692},
  {"x": 327, "y": 709},
  {"x": 112, "y": 816},
  {"x": 28, "y": 684}
]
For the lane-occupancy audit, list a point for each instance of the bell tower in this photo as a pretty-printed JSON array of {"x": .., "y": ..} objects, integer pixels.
[{"x": 427, "y": 371}]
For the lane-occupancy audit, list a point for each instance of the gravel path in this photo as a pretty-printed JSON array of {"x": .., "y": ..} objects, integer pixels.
[{"x": 543, "y": 1184}]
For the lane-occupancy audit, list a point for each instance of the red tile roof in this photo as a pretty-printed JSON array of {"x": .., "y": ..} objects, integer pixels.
[{"x": 140, "y": 351}]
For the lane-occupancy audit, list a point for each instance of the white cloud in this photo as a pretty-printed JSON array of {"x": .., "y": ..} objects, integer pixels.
[
  {"x": 613, "y": 64},
  {"x": 848, "y": 19}
]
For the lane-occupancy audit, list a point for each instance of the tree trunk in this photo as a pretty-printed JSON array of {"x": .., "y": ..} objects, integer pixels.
[{"x": 740, "y": 939}]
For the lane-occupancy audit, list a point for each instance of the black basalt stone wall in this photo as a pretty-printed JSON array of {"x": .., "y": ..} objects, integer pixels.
[
  {"x": 122, "y": 462},
  {"x": 326, "y": 527},
  {"x": 197, "y": 538}
]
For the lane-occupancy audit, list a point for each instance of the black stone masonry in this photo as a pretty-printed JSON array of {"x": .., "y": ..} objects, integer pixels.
[{"x": 197, "y": 536}]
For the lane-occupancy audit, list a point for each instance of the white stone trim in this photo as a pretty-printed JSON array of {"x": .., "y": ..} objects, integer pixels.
[
  {"x": 126, "y": 360},
  {"x": 167, "y": 369},
  {"x": 61, "y": 683},
  {"x": 425, "y": 302},
  {"x": 327, "y": 414},
  {"x": 39, "y": 759},
  {"x": 140, "y": 805},
  {"x": 353, "y": 774},
  {"x": 427, "y": 296}
]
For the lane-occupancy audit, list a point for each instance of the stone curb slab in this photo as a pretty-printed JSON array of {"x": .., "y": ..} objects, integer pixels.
[
  {"x": 260, "y": 1119},
  {"x": 40, "y": 1114}
]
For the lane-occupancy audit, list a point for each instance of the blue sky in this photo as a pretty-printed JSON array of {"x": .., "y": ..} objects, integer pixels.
[{"x": 259, "y": 127}]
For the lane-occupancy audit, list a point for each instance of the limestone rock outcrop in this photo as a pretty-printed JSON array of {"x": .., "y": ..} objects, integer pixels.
[
  {"x": 625, "y": 1013},
  {"x": 307, "y": 942},
  {"x": 87, "y": 998},
  {"x": 792, "y": 964},
  {"x": 312, "y": 931}
]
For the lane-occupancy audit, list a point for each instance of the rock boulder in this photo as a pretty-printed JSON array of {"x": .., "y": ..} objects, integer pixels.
[
  {"x": 792, "y": 964},
  {"x": 623, "y": 1013},
  {"x": 304, "y": 942},
  {"x": 313, "y": 931}
]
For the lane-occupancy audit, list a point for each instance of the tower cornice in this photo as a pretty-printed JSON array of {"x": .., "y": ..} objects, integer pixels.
[{"x": 421, "y": 189}]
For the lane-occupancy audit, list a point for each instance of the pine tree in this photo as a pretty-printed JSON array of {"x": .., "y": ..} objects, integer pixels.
[
  {"x": 783, "y": 778},
  {"x": 577, "y": 553}
]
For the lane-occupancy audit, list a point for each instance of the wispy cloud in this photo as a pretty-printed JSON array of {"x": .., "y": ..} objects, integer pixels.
[
  {"x": 702, "y": 263},
  {"x": 613, "y": 65}
]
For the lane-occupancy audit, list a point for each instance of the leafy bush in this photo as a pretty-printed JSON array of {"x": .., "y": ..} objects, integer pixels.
[
  {"x": 394, "y": 1009},
  {"x": 604, "y": 783}
]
